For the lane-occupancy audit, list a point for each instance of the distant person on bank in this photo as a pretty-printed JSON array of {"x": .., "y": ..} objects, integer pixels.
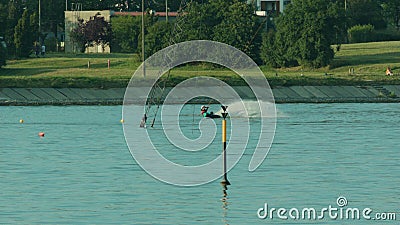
[
  {"x": 43, "y": 50},
  {"x": 389, "y": 72},
  {"x": 36, "y": 47}
]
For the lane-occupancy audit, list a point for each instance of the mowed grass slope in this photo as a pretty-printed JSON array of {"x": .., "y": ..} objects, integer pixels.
[
  {"x": 69, "y": 70},
  {"x": 369, "y": 58},
  {"x": 369, "y": 61}
]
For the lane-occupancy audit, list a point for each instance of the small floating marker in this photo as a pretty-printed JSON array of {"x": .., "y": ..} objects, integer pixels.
[
  {"x": 21, "y": 121},
  {"x": 122, "y": 121},
  {"x": 41, "y": 134}
]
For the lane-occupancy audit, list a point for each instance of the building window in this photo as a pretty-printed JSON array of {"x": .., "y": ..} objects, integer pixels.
[
  {"x": 263, "y": 6},
  {"x": 269, "y": 5}
]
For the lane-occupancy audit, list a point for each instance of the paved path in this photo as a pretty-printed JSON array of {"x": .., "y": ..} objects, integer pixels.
[{"x": 294, "y": 94}]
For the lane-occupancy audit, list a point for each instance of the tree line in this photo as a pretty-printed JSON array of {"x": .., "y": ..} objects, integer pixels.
[{"x": 302, "y": 35}]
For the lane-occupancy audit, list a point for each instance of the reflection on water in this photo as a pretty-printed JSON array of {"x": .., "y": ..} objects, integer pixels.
[{"x": 225, "y": 203}]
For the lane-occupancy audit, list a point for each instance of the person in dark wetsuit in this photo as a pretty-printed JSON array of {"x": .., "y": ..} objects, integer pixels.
[{"x": 204, "y": 112}]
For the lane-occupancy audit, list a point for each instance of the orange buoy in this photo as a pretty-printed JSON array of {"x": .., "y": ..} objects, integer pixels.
[
  {"x": 41, "y": 134},
  {"x": 21, "y": 121}
]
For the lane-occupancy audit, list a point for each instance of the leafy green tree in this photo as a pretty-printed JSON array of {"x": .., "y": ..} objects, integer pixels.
[
  {"x": 78, "y": 35},
  {"x": 157, "y": 37},
  {"x": 305, "y": 33},
  {"x": 25, "y": 34},
  {"x": 14, "y": 13},
  {"x": 364, "y": 12},
  {"x": 149, "y": 21},
  {"x": 3, "y": 17},
  {"x": 391, "y": 12},
  {"x": 34, "y": 25},
  {"x": 3, "y": 53},
  {"x": 268, "y": 55},
  {"x": 200, "y": 20},
  {"x": 239, "y": 28},
  {"x": 52, "y": 15},
  {"x": 232, "y": 22},
  {"x": 361, "y": 33},
  {"x": 95, "y": 31},
  {"x": 126, "y": 30}
]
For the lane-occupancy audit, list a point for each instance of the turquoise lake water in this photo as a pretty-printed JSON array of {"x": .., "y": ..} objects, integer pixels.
[{"x": 82, "y": 172}]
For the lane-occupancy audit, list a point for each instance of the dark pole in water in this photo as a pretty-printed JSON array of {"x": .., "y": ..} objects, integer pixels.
[
  {"x": 224, "y": 181},
  {"x": 143, "y": 122},
  {"x": 143, "y": 54}
]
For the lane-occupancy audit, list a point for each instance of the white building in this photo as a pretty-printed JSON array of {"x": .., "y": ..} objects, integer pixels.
[{"x": 71, "y": 21}]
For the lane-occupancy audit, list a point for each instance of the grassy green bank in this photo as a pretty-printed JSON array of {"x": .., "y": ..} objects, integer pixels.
[{"x": 368, "y": 61}]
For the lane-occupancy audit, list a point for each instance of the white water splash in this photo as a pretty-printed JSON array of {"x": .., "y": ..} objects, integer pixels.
[{"x": 248, "y": 108}]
